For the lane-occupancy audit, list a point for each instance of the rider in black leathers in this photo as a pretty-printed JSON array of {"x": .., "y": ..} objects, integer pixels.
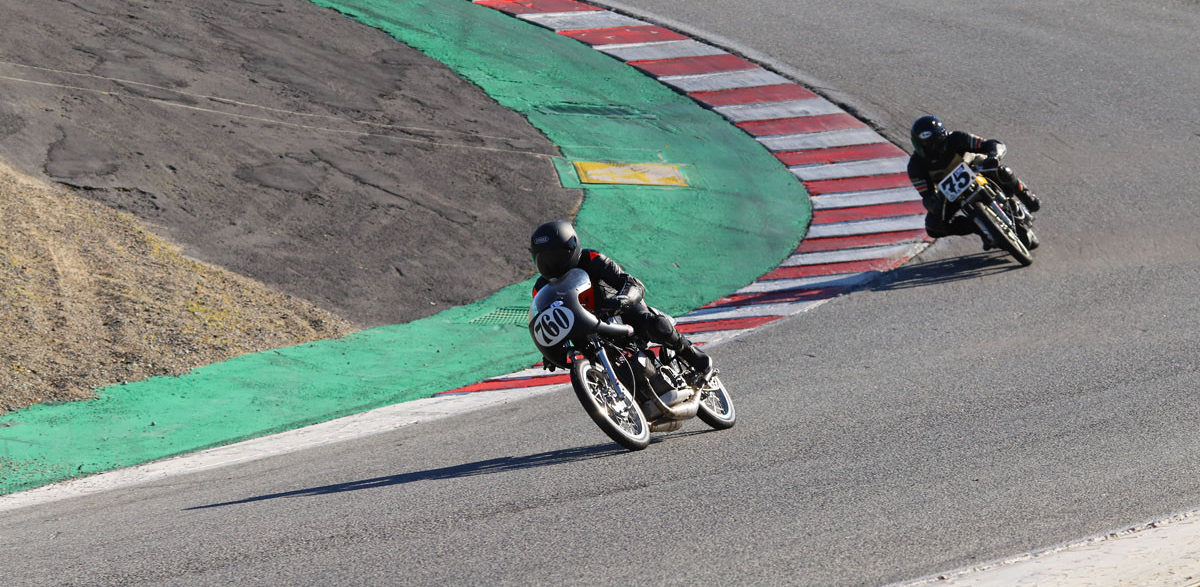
[
  {"x": 936, "y": 152},
  {"x": 555, "y": 250}
]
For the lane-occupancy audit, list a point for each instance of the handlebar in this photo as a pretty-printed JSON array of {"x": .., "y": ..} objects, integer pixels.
[{"x": 614, "y": 330}]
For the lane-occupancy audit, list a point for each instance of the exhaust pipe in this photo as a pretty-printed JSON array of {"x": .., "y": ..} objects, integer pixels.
[{"x": 681, "y": 411}]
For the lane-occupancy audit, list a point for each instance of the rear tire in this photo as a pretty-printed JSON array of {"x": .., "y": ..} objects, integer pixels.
[
  {"x": 1009, "y": 240},
  {"x": 614, "y": 410}
]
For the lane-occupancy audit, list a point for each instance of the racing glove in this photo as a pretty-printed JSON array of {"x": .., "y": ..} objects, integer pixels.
[
  {"x": 995, "y": 149},
  {"x": 614, "y": 305}
]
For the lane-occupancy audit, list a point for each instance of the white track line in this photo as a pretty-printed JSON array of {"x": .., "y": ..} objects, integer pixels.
[
  {"x": 864, "y": 198},
  {"x": 842, "y": 280},
  {"x": 859, "y": 227},
  {"x": 582, "y": 20},
  {"x": 778, "y": 110},
  {"x": 843, "y": 255},
  {"x": 851, "y": 169},
  {"x": 726, "y": 80},
  {"x": 822, "y": 140},
  {"x": 1163, "y": 552},
  {"x": 659, "y": 50},
  {"x": 751, "y": 311}
]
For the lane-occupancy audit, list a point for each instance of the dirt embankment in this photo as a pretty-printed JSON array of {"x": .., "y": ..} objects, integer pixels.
[
  {"x": 276, "y": 139},
  {"x": 88, "y": 297},
  {"x": 283, "y": 141}
]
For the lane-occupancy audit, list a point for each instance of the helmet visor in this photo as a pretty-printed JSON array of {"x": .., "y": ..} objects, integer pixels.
[
  {"x": 930, "y": 141},
  {"x": 555, "y": 261}
]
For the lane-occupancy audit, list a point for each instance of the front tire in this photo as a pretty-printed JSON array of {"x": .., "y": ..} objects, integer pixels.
[
  {"x": 1009, "y": 239},
  {"x": 614, "y": 410},
  {"x": 716, "y": 408}
]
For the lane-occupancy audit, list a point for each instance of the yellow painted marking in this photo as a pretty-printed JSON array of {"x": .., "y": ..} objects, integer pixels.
[{"x": 630, "y": 173}]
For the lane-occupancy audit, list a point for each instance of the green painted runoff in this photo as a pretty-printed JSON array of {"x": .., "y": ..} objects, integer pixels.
[{"x": 741, "y": 215}]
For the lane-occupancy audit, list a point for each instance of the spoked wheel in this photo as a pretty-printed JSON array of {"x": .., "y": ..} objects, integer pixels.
[
  {"x": 612, "y": 408},
  {"x": 716, "y": 409},
  {"x": 1009, "y": 239}
]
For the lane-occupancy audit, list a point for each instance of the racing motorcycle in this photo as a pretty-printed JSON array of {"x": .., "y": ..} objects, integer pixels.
[
  {"x": 1000, "y": 216},
  {"x": 628, "y": 390}
]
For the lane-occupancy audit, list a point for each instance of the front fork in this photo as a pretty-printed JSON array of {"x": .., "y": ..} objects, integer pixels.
[
  {"x": 609, "y": 371},
  {"x": 1018, "y": 218}
]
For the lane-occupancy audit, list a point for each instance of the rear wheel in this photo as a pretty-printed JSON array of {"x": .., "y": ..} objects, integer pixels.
[
  {"x": 716, "y": 409},
  {"x": 1006, "y": 233},
  {"x": 612, "y": 408}
]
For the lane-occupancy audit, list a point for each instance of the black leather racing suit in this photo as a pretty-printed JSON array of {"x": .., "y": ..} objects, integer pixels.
[
  {"x": 926, "y": 169},
  {"x": 610, "y": 282}
]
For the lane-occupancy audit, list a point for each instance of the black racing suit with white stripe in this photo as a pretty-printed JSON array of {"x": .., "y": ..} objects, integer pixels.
[{"x": 926, "y": 169}]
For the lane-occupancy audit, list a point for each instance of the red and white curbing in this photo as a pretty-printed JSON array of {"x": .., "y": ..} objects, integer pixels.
[{"x": 867, "y": 218}]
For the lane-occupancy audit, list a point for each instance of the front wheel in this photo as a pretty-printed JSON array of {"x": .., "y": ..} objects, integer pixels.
[
  {"x": 716, "y": 409},
  {"x": 1007, "y": 233},
  {"x": 612, "y": 408}
]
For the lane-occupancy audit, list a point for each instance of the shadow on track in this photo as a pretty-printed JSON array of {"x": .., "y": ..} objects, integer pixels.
[
  {"x": 971, "y": 266},
  {"x": 487, "y": 467}
]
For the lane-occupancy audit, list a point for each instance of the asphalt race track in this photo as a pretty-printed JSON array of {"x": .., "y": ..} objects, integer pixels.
[{"x": 960, "y": 411}]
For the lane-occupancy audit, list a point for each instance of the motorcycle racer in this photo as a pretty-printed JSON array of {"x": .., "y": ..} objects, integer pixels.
[
  {"x": 937, "y": 151},
  {"x": 555, "y": 249}
]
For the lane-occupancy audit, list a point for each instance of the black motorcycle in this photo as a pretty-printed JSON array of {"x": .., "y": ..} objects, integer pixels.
[
  {"x": 1001, "y": 217},
  {"x": 628, "y": 390}
]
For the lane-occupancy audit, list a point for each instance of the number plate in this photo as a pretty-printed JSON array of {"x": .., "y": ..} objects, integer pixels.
[
  {"x": 553, "y": 325},
  {"x": 954, "y": 185}
]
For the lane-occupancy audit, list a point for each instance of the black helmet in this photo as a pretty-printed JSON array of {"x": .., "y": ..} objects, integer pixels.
[
  {"x": 928, "y": 136},
  {"x": 555, "y": 248}
]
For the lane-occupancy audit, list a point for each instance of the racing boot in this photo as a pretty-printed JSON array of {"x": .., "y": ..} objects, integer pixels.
[
  {"x": 697, "y": 360},
  {"x": 1032, "y": 203},
  {"x": 1029, "y": 237},
  {"x": 1032, "y": 239}
]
